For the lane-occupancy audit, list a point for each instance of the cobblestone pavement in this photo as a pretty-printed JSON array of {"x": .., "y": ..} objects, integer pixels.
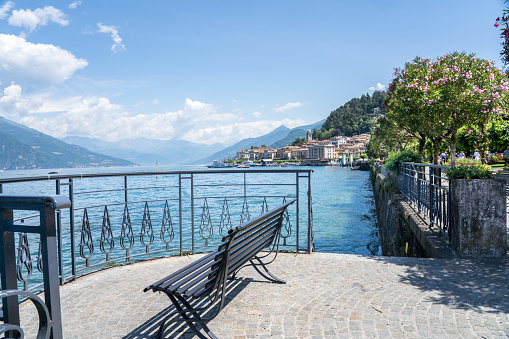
[{"x": 326, "y": 296}]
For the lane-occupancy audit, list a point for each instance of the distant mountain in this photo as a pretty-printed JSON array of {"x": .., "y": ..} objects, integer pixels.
[
  {"x": 279, "y": 137},
  {"x": 148, "y": 151},
  {"x": 297, "y": 132},
  {"x": 22, "y": 147}
]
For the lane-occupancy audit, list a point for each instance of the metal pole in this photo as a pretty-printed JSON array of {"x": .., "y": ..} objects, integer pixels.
[
  {"x": 180, "y": 211},
  {"x": 297, "y": 209},
  {"x": 310, "y": 215},
  {"x": 8, "y": 269},
  {"x": 71, "y": 228},
  {"x": 431, "y": 179},
  {"x": 59, "y": 238},
  {"x": 192, "y": 211},
  {"x": 50, "y": 272}
]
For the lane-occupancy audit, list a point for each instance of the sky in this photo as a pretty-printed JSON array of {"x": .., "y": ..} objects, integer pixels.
[{"x": 216, "y": 71}]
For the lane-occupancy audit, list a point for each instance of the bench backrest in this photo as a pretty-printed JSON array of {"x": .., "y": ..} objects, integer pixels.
[{"x": 240, "y": 245}]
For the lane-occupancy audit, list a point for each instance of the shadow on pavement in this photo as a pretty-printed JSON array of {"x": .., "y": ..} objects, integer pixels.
[
  {"x": 479, "y": 285},
  {"x": 179, "y": 329}
]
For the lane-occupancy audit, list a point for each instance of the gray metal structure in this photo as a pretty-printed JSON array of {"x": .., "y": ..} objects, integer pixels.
[
  {"x": 116, "y": 218},
  {"x": 207, "y": 277},
  {"x": 427, "y": 188},
  {"x": 11, "y": 268}
]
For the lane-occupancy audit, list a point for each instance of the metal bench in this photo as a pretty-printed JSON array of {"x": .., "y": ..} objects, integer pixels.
[{"x": 208, "y": 276}]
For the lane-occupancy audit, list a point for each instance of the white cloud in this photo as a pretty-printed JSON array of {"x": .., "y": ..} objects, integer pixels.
[
  {"x": 257, "y": 114},
  {"x": 378, "y": 87},
  {"x": 14, "y": 105},
  {"x": 138, "y": 104},
  {"x": 196, "y": 122},
  {"x": 287, "y": 107},
  {"x": 75, "y": 4},
  {"x": 117, "y": 46},
  {"x": 27, "y": 63},
  {"x": 39, "y": 17},
  {"x": 156, "y": 101},
  {"x": 5, "y": 9}
]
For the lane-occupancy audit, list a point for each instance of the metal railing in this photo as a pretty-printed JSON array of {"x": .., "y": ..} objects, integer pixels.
[
  {"x": 116, "y": 218},
  {"x": 427, "y": 188}
]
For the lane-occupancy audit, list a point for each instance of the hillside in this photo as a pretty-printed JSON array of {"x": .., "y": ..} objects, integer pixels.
[
  {"x": 22, "y": 147},
  {"x": 354, "y": 117},
  {"x": 279, "y": 137}
]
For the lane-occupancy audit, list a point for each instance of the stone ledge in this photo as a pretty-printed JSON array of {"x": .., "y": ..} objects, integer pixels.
[{"x": 430, "y": 237}]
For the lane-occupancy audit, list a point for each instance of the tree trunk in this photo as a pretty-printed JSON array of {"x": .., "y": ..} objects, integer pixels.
[
  {"x": 453, "y": 153},
  {"x": 422, "y": 142},
  {"x": 436, "y": 149}
]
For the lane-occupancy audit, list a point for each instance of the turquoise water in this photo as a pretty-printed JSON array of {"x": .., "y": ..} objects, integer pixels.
[{"x": 344, "y": 218}]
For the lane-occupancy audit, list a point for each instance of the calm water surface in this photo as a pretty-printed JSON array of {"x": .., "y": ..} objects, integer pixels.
[{"x": 344, "y": 219}]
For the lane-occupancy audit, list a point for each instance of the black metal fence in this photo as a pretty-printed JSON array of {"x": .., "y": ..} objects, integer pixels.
[
  {"x": 427, "y": 188},
  {"x": 115, "y": 218}
]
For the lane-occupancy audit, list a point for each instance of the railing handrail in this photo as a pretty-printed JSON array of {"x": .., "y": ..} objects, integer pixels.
[
  {"x": 131, "y": 174},
  {"x": 425, "y": 165}
]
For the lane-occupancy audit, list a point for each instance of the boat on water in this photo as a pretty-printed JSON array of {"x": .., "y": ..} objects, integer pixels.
[
  {"x": 245, "y": 164},
  {"x": 217, "y": 164}
]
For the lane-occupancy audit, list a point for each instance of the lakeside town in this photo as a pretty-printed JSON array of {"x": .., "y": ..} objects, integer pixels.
[{"x": 312, "y": 152}]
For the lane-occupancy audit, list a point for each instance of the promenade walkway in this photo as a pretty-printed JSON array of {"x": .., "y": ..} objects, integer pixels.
[{"x": 327, "y": 296}]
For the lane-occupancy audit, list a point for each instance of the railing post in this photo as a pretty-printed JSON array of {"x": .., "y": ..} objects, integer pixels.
[
  {"x": 192, "y": 213},
  {"x": 297, "y": 209},
  {"x": 431, "y": 180},
  {"x": 50, "y": 271},
  {"x": 8, "y": 269},
  {"x": 310, "y": 216},
  {"x": 71, "y": 228},
  {"x": 59, "y": 238},
  {"x": 180, "y": 212}
]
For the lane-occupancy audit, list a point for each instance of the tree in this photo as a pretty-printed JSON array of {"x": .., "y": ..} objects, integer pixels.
[{"x": 439, "y": 97}]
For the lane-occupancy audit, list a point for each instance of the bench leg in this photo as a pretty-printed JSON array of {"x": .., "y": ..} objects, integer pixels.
[
  {"x": 272, "y": 277},
  {"x": 185, "y": 317}
]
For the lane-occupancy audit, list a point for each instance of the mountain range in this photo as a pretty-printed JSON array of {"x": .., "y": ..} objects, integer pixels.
[
  {"x": 22, "y": 147},
  {"x": 279, "y": 137}
]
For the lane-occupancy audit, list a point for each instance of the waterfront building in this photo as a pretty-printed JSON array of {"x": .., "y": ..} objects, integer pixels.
[{"x": 323, "y": 150}]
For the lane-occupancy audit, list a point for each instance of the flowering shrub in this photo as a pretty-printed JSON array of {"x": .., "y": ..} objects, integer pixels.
[
  {"x": 469, "y": 172},
  {"x": 466, "y": 162},
  {"x": 435, "y": 98},
  {"x": 504, "y": 34}
]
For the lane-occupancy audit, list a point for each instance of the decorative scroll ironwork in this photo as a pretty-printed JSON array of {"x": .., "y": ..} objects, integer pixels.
[
  {"x": 86, "y": 239},
  {"x": 42, "y": 311},
  {"x": 226, "y": 222},
  {"x": 126, "y": 234},
  {"x": 286, "y": 230},
  {"x": 265, "y": 206},
  {"x": 206, "y": 228},
  {"x": 146, "y": 233},
  {"x": 24, "y": 259},
  {"x": 40, "y": 266},
  {"x": 106, "y": 235},
  {"x": 167, "y": 234},
  {"x": 244, "y": 216}
]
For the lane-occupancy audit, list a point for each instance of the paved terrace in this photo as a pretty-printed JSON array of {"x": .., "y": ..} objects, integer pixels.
[{"x": 327, "y": 296}]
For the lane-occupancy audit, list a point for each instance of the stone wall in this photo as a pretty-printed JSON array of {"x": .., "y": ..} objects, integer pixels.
[{"x": 396, "y": 235}]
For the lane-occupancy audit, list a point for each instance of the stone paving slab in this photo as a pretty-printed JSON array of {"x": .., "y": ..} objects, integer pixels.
[{"x": 326, "y": 296}]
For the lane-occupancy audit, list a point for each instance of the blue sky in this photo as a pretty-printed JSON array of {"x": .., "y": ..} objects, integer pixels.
[{"x": 215, "y": 71}]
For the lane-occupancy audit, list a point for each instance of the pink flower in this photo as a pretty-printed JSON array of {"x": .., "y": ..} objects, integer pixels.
[{"x": 496, "y": 25}]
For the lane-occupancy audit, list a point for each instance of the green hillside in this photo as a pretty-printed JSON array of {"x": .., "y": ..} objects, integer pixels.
[
  {"x": 355, "y": 116},
  {"x": 25, "y": 148}
]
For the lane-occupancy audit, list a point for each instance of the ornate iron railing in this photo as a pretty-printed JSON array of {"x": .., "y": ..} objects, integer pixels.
[
  {"x": 43, "y": 227},
  {"x": 427, "y": 188},
  {"x": 116, "y": 218}
]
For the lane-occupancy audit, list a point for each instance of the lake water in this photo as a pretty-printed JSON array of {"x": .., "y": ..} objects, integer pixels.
[{"x": 344, "y": 219}]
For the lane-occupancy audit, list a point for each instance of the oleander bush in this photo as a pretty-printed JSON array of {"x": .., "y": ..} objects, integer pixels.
[{"x": 469, "y": 172}]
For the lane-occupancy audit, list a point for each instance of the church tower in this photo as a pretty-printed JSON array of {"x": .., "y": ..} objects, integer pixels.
[{"x": 309, "y": 136}]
